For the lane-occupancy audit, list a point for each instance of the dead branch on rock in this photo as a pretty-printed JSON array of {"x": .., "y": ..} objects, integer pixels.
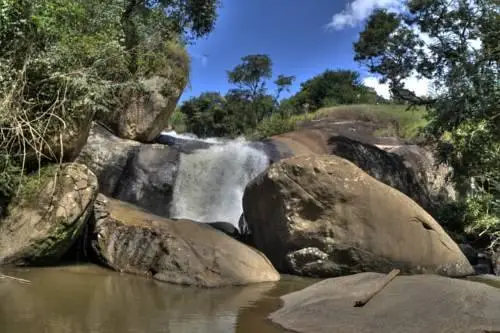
[
  {"x": 377, "y": 288},
  {"x": 2, "y": 276}
]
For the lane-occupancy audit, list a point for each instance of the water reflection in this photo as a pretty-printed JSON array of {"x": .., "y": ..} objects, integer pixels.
[{"x": 83, "y": 299}]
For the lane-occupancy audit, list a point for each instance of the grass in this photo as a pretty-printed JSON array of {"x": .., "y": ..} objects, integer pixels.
[
  {"x": 394, "y": 120},
  {"x": 410, "y": 122}
]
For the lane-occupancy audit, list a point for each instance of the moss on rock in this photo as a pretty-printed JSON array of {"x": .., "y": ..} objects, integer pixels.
[{"x": 47, "y": 215}]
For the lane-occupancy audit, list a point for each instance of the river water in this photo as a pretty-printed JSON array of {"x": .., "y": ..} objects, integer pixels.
[{"x": 91, "y": 299}]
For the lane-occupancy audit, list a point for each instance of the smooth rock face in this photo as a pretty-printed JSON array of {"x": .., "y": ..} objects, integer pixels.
[
  {"x": 330, "y": 205},
  {"x": 421, "y": 303},
  {"x": 107, "y": 156},
  {"x": 298, "y": 143},
  {"x": 433, "y": 175},
  {"x": 407, "y": 168},
  {"x": 388, "y": 168},
  {"x": 41, "y": 227},
  {"x": 182, "y": 252},
  {"x": 146, "y": 112},
  {"x": 149, "y": 178},
  {"x": 142, "y": 174}
]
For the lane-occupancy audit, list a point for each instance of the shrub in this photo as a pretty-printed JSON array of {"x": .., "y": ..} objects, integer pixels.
[{"x": 274, "y": 125}]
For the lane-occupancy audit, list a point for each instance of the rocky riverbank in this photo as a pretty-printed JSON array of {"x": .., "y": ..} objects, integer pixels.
[{"x": 310, "y": 203}]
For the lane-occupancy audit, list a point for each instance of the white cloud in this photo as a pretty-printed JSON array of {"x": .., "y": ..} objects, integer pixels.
[
  {"x": 359, "y": 10},
  {"x": 421, "y": 87},
  {"x": 204, "y": 61},
  {"x": 382, "y": 89},
  {"x": 355, "y": 14},
  {"x": 201, "y": 57}
]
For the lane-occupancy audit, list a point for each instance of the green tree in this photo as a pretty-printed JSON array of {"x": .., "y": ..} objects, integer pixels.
[
  {"x": 283, "y": 83},
  {"x": 243, "y": 107},
  {"x": 454, "y": 44},
  {"x": 331, "y": 88},
  {"x": 251, "y": 78},
  {"x": 252, "y": 73},
  {"x": 62, "y": 61},
  {"x": 207, "y": 115},
  {"x": 148, "y": 23}
]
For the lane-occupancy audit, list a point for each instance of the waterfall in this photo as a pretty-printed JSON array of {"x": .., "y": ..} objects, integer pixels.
[
  {"x": 210, "y": 182},
  {"x": 190, "y": 136}
]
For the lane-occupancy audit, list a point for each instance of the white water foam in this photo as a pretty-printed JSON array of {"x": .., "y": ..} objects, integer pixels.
[
  {"x": 210, "y": 182},
  {"x": 191, "y": 136}
]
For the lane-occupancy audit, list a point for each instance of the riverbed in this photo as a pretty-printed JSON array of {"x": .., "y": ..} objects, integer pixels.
[{"x": 92, "y": 299}]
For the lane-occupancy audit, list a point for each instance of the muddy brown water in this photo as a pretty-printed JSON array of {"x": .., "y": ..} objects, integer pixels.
[{"x": 91, "y": 299}]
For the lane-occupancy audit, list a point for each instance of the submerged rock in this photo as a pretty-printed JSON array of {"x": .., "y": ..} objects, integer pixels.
[
  {"x": 350, "y": 221},
  {"x": 43, "y": 224},
  {"x": 182, "y": 252},
  {"x": 422, "y": 303}
]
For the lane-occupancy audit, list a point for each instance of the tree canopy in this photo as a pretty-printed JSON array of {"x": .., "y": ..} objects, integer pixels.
[
  {"x": 252, "y": 73},
  {"x": 62, "y": 61},
  {"x": 332, "y": 88},
  {"x": 454, "y": 44}
]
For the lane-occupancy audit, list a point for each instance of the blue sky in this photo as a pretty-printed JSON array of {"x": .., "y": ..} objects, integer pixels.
[{"x": 293, "y": 32}]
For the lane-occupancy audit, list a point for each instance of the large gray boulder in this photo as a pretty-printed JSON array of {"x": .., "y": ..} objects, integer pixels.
[
  {"x": 107, "y": 156},
  {"x": 48, "y": 216},
  {"x": 409, "y": 169},
  {"x": 146, "y": 107},
  {"x": 390, "y": 169},
  {"x": 321, "y": 215},
  {"x": 142, "y": 174},
  {"x": 183, "y": 252},
  {"x": 409, "y": 304},
  {"x": 434, "y": 175}
]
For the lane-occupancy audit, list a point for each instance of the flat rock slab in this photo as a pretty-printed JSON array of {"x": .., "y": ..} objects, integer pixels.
[
  {"x": 131, "y": 240},
  {"x": 419, "y": 303}
]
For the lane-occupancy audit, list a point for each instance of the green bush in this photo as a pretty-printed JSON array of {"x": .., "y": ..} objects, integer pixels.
[
  {"x": 63, "y": 61},
  {"x": 178, "y": 121},
  {"x": 274, "y": 125},
  {"x": 331, "y": 88}
]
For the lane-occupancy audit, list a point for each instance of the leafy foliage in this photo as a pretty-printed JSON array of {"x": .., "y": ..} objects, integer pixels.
[
  {"x": 274, "y": 125},
  {"x": 53, "y": 77},
  {"x": 332, "y": 88},
  {"x": 63, "y": 61},
  {"x": 243, "y": 107},
  {"x": 454, "y": 44},
  {"x": 250, "y": 109},
  {"x": 283, "y": 83},
  {"x": 147, "y": 24},
  {"x": 251, "y": 74},
  {"x": 206, "y": 115}
]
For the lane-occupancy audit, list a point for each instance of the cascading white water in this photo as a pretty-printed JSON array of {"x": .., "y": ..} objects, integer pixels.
[
  {"x": 210, "y": 182},
  {"x": 190, "y": 136}
]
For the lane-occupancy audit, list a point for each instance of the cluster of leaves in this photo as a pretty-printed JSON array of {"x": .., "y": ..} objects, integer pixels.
[
  {"x": 331, "y": 88},
  {"x": 63, "y": 61},
  {"x": 242, "y": 108},
  {"x": 455, "y": 45},
  {"x": 54, "y": 73},
  {"x": 251, "y": 110}
]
